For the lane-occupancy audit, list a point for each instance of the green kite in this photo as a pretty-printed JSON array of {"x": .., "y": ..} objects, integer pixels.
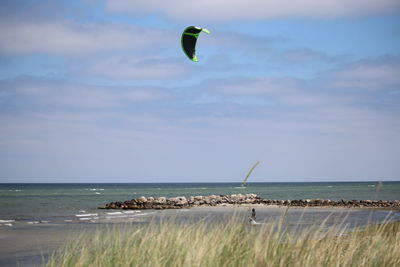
[
  {"x": 249, "y": 173},
  {"x": 189, "y": 39}
]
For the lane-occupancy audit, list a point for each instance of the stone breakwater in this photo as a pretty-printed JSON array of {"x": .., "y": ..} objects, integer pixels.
[{"x": 239, "y": 199}]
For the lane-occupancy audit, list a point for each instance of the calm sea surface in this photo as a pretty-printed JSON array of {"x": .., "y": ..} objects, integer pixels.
[{"x": 60, "y": 202}]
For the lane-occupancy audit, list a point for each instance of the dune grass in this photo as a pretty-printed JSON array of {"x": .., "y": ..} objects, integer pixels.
[{"x": 232, "y": 244}]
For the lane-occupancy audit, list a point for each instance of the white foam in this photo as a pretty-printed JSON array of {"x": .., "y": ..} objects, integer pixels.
[
  {"x": 97, "y": 193},
  {"x": 126, "y": 215},
  {"x": 114, "y": 213},
  {"x": 95, "y": 189},
  {"x": 34, "y": 222},
  {"x": 82, "y": 211},
  {"x": 14, "y": 190},
  {"x": 86, "y": 215},
  {"x": 121, "y": 214},
  {"x": 7, "y": 221},
  {"x": 67, "y": 220},
  {"x": 130, "y": 211},
  {"x": 91, "y": 219},
  {"x": 8, "y": 224}
]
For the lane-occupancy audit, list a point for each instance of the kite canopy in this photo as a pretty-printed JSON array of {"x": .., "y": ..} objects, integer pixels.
[
  {"x": 189, "y": 39},
  {"x": 249, "y": 173}
]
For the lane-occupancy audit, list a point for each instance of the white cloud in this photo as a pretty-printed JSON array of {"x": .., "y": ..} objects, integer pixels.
[
  {"x": 258, "y": 86},
  {"x": 52, "y": 129},
  {"x": 73, "y": 38},
  {"x": 27, "y": 93},
  {"x": 303, "y": 55},
  {"x": 330, "y": 143},
  {"x": 368, "y": 83},
  {"x": 268, "y": 91},
  {"x": 228, "y": 10},
  {"x": 127, "y": 67},
  {"x": 378, "y": 75}
]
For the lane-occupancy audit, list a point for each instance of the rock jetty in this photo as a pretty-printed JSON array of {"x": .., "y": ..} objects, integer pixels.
[{"x": 239, "y": 199}]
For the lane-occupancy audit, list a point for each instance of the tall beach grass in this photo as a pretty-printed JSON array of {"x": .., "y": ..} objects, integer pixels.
[{"x": 233, "y": 244}]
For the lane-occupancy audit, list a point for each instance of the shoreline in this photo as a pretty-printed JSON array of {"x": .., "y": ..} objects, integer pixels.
[{"x": 181, "y": 202}]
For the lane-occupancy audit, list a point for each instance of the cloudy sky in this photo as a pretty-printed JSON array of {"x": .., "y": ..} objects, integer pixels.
[{"x": 100, "y": 91}]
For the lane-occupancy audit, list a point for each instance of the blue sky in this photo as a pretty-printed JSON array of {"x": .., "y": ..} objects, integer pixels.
[{"x": 100, "y": 91}]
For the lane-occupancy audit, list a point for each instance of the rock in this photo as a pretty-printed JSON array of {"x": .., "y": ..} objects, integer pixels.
[
  {"x": 225, "y": 197},
  {"x": 141, "y": 199},
  {"x": 178, "y": 201},
  {"x": 182, "y": 201},
  {"x": 161, "y": 200},
  {"x": 212, "y": 200},
  {"x": 198, "y": 198},
  {"x": 317, "y": 201},
  {"x": 267, "y": 201},
  {"x": 241, "y": 197}
]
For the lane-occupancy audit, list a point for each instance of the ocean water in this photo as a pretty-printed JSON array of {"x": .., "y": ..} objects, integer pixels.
[{"x": 31, "y": 203}]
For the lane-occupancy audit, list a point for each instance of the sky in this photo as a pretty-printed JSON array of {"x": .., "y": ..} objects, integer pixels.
[{"x": 100, "y": 91}]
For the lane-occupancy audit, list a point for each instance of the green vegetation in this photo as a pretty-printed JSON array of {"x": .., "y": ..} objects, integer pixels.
[{"x": 232, "y": 244}]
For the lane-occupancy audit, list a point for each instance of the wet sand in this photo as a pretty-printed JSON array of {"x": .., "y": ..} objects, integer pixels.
[{"x": 31, "y": 245}]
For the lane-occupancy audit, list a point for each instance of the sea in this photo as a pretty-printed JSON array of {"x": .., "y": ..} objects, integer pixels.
[
  {"x": 55, "y": 203},
  {"x": 37, "y": 219}
]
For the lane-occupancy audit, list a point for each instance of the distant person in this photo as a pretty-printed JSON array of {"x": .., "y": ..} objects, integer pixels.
[{"x": 253, "y": 216}]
